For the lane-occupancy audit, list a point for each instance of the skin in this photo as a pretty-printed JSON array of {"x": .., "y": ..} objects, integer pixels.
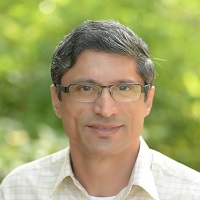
[{"x": 104, "y": 135}]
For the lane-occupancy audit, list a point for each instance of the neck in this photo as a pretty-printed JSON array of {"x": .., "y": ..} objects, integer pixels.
[{"x": 104, "y": 176}]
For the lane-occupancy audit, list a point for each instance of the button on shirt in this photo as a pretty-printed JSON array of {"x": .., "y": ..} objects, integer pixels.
[{"x": 154, "y": 176}]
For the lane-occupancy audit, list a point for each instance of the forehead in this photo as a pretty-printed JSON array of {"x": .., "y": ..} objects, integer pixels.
[{"x": 102, "y": 68}]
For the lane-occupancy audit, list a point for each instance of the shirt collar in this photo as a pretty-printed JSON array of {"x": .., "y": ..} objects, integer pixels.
[
  {"x": 141, "y": 174},
  {"x": 65, "y": 170}
]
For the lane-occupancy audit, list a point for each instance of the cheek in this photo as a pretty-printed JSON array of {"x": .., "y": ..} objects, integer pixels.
[
  {"x": 72, "y": 117},
  {"x": 136, "y": 114}
]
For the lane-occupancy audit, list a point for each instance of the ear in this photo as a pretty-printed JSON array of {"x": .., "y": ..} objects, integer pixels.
[
  {"x": 149, "y": 101},
  {"x": 55, "y": 101}
]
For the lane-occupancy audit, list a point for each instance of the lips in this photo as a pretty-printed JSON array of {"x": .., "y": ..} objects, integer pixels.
[{"x": 104, "y": 129}]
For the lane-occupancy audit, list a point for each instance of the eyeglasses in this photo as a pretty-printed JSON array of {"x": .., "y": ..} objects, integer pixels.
[{"x": 89, "y": 93}]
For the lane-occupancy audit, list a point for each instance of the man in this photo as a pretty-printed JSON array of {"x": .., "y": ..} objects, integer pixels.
[{"x": 102, "y": 91}]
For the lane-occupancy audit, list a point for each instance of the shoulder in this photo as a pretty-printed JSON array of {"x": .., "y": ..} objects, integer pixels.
[
  {"x": 174, "y": 176},
  {"x": 47, "y": 167},
  {"x": 173, "y": 168}
]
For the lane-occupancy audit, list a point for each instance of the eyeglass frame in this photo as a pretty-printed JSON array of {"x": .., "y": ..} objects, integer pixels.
[{"x": 65, "y": 89}]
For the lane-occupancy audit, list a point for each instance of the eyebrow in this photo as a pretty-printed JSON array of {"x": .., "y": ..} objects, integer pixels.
[
  {"x": 127, "y": 81},
  {"x": 91, "y": 81},
  {"x": 84, "y": 81}
]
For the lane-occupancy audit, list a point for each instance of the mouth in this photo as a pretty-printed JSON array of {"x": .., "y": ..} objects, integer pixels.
[{"x": 104, "y": 129}]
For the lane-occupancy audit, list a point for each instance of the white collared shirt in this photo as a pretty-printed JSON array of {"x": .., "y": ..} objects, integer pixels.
[{"x": 154, "y": 177}]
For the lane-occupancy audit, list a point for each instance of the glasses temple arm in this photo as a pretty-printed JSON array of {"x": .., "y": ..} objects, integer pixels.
[
  {"x": 62, "y": 88},
  {"x": 145, "y": 89}
]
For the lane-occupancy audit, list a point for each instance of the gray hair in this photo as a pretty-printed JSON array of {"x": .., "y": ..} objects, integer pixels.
[{"x": 105, "y": 36}]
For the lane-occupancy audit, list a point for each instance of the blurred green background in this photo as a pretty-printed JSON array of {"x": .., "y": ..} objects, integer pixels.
[{"x": 29, "y": 33}]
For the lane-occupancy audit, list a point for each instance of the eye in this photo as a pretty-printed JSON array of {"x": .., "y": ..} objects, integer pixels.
[
  {"x": 86, "y": 87},
  {"x": 123, "y": 87}
]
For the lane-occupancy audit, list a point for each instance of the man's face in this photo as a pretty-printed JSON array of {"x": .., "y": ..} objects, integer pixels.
[{"x": 105, "y": 127}]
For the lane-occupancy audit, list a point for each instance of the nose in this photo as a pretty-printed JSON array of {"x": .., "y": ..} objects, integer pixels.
[{"x": 105, "y": 105}]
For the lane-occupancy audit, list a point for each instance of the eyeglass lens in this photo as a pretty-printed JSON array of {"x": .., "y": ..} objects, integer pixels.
[{"x": 90, "y": 93}]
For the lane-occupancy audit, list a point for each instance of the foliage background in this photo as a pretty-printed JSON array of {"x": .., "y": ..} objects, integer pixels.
[{"x": 30, "y": 31}]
